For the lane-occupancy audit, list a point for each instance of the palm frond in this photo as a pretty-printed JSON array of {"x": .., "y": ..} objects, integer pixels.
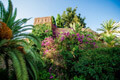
[
  {"x": 13, "y": 17},
  {"x": 108, "y": 27},
  {"x": 2, "y": 10},
  {"x": 33, "y": 70},
  {"x": 114, "y": 31},
  {"x": 9, "y": 12},
  {"x": 19, "y": 60},
  {"x": 19, "y": 23},
  {"x": 17, "y": 28},
  {"x": 16, "y": 65},
  {"x": 2, "y": 42},
  {"x": 31, "y": 37},
  {"x": 100, "y": 29},
  {"x": 19, "y": 64},
  {"x": 15, "y": 32}
]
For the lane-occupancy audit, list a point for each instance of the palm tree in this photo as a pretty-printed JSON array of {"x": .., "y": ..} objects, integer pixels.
[
  {"x": 14, "y": 48},
  {"x": 108, "y": 28}
]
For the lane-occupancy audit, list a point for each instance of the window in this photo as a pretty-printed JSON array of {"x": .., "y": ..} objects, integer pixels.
[{"x": 45, "y": 20}]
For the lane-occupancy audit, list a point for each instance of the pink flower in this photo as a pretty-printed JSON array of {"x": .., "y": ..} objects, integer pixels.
[
  {"x": 82, "y": 36},
  {"x": 62, "y": 38},
  {"x": 89, "y": 39},
  {"x": 88, "y": 35},
  {"x": 46, "y": 31},
  {"x": 94, "y": 43},
  {"x": 51, "y": 77},
  {"x": 54, "y": 49},
  {"x": 80, "y": 40},
  {"x": 77, "y": 34},
  {"x": 46, "y": 51},
  {"x": 67, "y": 34},
  {"x": 47, "y": 43},
  {"x": 51, "y": 38},
  {"x": 86, "y": 42},
  {"x": 64, "y": 34},
  {"x": 42, "y": 44}
]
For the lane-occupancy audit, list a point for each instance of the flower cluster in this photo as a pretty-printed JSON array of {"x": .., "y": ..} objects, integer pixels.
[
  {"x": 46, "y": 31},
  {"x": 76, "y": 39},
  {"x": 63, "y": 35},
  {"x": 48, "y": 47}
]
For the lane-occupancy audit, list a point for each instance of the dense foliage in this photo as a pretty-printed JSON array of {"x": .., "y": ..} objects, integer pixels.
[
  {"x": 98, "y": 64},
  {"x": 86, "y": 62},
  {"x": 59, "y": 21},
  {"x": 70, "y": 18},
  {"x": 42, "y": 31},
  {"x": 80, "y": 57},
  {"x": 41, "y": 55},
  {"x": 53, "y": 20}
]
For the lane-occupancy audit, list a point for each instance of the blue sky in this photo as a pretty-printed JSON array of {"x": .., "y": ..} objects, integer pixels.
[{"x": 95, "y": 11}]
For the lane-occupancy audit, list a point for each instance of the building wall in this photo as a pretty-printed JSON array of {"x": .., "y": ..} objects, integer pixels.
[{"x": 43, "y": 20}]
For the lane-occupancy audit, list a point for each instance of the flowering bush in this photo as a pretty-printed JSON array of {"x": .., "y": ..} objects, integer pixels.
[
  {"x": 50, "y": 51},
  {"x": 68, "y": 41},
  {"x": 49, "y": 47},
  {"x": 64, "y": 47}
]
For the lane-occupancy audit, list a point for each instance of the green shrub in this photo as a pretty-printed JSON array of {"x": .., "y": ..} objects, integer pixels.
[
  {"x": 79, "y": 78},
  {"x": 42, "y": 31},
  {"x": 44, "y": 75},
  {"x": 96, "y": 64}
]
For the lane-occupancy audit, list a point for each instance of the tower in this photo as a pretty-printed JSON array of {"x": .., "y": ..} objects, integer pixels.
[{"x": 43, "y": 20}]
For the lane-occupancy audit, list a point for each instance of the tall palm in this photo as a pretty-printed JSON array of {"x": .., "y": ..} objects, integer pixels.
[
  {"x": 23, "y": 61},
  {"x": 108, "y": 27}
]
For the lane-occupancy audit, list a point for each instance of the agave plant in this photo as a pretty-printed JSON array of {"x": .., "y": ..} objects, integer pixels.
[{"x": 14, "y": 48}]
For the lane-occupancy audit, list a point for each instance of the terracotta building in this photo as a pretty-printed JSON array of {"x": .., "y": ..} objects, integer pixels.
[{"x": 43, "y": 20}]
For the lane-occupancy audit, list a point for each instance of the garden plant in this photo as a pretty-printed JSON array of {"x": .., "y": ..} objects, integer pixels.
[{"x": 45, "y": 54}]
